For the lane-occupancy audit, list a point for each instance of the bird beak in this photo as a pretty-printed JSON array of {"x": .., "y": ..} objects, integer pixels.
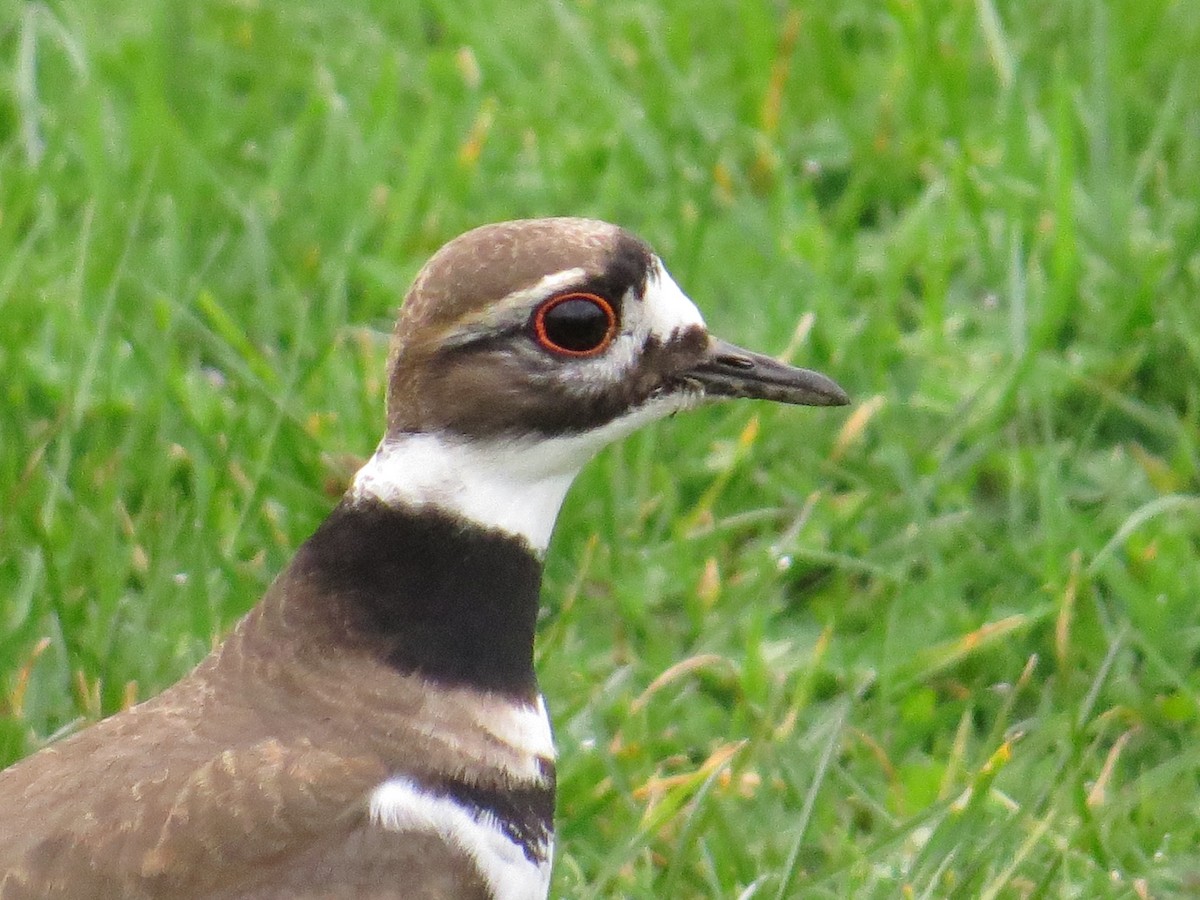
[{"x": 729, "y": 371}]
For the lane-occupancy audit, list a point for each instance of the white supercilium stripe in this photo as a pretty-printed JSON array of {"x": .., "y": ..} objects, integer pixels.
[{"x": 399, "y": 805}]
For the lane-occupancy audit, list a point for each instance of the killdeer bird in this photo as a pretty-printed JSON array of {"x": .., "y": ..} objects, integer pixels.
[{"x": 373, "y": 728}]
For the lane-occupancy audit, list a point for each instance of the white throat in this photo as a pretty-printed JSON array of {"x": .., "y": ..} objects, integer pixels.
[
  {"x": 517, "y": 485},
  {"x": 493, "y": 484},
  {"x": 514, "y": 485}
]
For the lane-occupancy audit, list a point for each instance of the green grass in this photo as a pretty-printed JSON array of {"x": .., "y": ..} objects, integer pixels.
[{"x": 944, "y": 644}]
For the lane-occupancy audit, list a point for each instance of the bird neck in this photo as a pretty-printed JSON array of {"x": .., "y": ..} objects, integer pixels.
[
  {"x": 510, "y": 485},
  {"x": 424, "y": 591}
]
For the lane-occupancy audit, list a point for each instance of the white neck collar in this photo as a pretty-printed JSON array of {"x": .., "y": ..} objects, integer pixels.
[{"x": 514, "y": 485}]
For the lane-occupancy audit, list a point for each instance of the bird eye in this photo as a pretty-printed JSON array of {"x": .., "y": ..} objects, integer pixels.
[{"x": 575, "y": 324}]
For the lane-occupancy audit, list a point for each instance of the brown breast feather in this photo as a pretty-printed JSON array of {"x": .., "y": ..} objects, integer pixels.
[{"x": 172, "y": 800}]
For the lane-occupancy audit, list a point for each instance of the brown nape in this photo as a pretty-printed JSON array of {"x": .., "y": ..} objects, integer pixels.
[{"x": 474, "y": 271}]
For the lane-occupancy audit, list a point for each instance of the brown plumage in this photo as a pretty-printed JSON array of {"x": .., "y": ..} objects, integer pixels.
[
  {"x": 373, "y": 728},
  {"x": 251, "y": 776}
]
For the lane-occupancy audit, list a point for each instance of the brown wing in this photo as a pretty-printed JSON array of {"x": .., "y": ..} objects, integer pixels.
[{"x": 270, "y": 820}]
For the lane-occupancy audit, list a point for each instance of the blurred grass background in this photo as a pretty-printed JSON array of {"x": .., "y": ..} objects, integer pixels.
[{"x": 941, "y": 645}]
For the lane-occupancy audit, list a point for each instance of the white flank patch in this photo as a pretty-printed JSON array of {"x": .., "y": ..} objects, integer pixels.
[
  {"x": 483, "y": 730},
  {"x": 516, "y": 486},
  {"x": 399, "y": 805},
  {"x": 526, "y": 729}
]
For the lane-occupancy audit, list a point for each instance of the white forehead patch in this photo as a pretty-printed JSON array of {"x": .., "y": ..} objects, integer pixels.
[
  {"x": 661, "y": 312},
  {"x": 665, "y": 308}
]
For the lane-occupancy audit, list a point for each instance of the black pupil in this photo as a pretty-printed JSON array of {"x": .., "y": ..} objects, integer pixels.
[{"x": 577, "y": 325}]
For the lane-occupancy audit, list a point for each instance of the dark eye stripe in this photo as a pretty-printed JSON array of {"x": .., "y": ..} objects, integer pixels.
[{"x": 575, "y": 324}]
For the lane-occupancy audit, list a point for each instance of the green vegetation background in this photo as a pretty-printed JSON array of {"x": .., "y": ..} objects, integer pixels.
[{"x": 941, "y": 644}]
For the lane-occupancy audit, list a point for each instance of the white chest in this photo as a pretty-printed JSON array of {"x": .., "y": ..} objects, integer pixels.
[{"x": 400, "y": 805}]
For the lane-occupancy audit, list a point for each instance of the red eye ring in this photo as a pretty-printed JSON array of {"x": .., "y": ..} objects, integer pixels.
[{"x": 575, "y": 330}]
